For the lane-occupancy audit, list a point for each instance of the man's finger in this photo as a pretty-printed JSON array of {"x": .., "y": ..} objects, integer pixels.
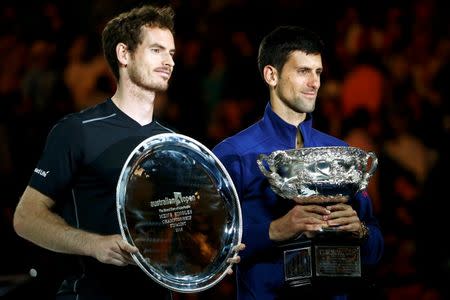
[
  {"x": 319, "y": 199},
  {"x": 125, "y": 246},
  {"x": 234, "y": 260},
  {"x": 238, "y": 247},
  {"x": 229, "y": 271}
]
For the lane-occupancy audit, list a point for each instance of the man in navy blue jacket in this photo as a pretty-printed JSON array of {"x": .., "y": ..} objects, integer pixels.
[{"x": 290, "y": 63}]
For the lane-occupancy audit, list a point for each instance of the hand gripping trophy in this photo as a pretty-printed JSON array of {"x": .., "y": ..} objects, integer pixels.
[{"x": 320, "y": 175}]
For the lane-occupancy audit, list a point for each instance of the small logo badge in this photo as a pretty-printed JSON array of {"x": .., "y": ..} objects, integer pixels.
[{"x": 41, "y": 172}]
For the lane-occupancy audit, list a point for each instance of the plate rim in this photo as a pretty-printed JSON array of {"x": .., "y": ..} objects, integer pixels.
[{"x": 124, "y": 175}]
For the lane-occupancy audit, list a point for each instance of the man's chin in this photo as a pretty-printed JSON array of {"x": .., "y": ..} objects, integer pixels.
[{"x": 160, "y": 87}]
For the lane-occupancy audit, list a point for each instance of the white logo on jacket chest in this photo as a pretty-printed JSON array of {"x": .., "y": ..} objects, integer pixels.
[{"x": 41, "y": 172}]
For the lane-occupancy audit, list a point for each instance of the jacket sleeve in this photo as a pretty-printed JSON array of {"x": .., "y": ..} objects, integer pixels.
[
  {"x": 255, "y": 234},
  {"x": 372, "y": 248}
]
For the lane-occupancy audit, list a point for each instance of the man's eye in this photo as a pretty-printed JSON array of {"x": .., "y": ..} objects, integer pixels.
[{"x": 155, "y": 50}]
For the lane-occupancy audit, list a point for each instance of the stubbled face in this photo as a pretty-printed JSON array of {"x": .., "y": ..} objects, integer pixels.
[
  {"x": 151, "y": 65},
  {"x": 299, "y": 81}
]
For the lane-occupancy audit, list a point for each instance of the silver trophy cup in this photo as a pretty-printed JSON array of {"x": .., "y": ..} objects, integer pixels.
[{"x": 320, "y": 176}]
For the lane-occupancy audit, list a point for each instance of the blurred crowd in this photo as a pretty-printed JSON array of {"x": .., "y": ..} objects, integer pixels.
[{"x": 384, "y": 89}]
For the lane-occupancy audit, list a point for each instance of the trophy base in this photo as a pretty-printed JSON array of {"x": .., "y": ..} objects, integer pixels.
[{"x": 331, "y": 259}]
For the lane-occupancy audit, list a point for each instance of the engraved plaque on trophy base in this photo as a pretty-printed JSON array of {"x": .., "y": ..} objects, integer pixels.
[{"x": 333, "y": 263}]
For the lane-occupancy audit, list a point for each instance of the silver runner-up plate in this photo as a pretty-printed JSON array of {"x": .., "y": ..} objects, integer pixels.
[{"x": 178, "y": 205}]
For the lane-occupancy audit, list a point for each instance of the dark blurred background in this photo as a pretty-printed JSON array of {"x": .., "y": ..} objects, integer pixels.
[{"x": 384, "y": 89}]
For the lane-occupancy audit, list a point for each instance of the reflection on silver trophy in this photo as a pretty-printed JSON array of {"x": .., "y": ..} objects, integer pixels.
[
  {"x": 320, "y": 175},
  {"x": 177, "y": 204},
  {"x": 318, "y": 171}
]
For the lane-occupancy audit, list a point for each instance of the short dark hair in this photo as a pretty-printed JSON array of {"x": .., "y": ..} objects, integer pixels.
[
  {"x": 126, "y": 28},
  {"x": 276, "y": 46}
]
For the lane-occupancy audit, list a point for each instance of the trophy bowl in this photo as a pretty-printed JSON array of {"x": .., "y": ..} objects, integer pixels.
[{"x": 317, "y": 172}]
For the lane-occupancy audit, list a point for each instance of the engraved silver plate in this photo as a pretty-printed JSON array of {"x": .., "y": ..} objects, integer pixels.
[
  {"x": 298, "y": 264},
  {"x": 308, "y": 173},
  {"x": 338, "y": 261},
  {"x": 177, "y": 204}
]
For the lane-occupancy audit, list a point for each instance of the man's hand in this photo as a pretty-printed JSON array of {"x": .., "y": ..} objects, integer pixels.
[
  {"x": 344, "y": 218},
  {"x": 301, "y": 218},
  {"x": 112, "y": 249},
  {"x": 236, "y": 259},
  {"x": 320, "y": 199}
]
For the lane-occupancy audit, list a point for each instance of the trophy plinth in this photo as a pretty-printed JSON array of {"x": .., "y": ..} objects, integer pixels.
[
  {"x": 320, "y": 176},
  {"x": 331, "y": 259}
]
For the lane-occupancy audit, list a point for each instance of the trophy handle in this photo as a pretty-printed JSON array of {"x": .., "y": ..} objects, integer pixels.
[
  {"x": 374, "y": 164},
  {"x": 260, "y": 161},
  {"x": 370, "y": 172}
]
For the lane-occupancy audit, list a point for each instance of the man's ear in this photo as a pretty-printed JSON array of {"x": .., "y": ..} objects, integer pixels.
[
  {"x": 270, "y": 75},
  {"x": 122, "y": 53}
]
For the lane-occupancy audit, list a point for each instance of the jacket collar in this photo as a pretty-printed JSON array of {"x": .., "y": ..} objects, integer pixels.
[{"x": 285, "y": 133}]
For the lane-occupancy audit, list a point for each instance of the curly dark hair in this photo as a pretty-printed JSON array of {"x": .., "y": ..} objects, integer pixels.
[{"x": 126, "y": 28}]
